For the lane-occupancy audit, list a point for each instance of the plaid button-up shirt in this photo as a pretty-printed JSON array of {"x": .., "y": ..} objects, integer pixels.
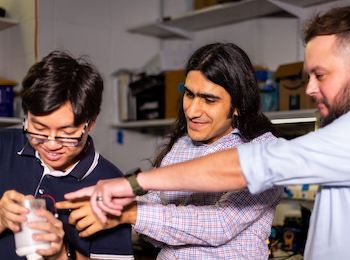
[{"x": 192, "y": 225}]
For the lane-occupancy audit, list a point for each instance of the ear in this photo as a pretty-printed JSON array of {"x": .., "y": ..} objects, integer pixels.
[
  {"x": 92, "y": 124},
  {"x": 235, "y": 112}
]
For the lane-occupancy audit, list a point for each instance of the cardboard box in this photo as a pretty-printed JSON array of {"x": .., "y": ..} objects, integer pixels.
[
  {"x": 292, "y": 87},
  {"x": 172, "y": 93}
]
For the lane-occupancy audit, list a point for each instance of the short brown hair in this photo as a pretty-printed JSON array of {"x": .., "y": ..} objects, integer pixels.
[{"x": 335, "y": 21}]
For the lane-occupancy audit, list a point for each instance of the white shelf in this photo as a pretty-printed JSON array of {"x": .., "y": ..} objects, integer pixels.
[
  {"x": 145, "y": 123},
  {"x": 217, "y": 15},
  {"x": 9, "y": 121},
  {"x": 293, "y": 116},
  {"x": 278, "y": 117},
  {"x": 161, "y": 30},
  {"x": 6, "y": 23}
]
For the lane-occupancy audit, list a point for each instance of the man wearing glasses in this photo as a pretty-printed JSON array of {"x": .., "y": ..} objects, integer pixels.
[{"x": 54, "y": 154}]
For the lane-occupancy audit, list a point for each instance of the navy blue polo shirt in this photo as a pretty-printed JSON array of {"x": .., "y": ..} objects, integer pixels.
[{"x": 22, "y": 171}]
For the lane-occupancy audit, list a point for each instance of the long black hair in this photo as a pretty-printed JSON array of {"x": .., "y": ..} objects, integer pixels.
[{"x": 227, "y": 65}]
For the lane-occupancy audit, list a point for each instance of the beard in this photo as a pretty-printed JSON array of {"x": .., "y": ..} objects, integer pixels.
[{"x": 340, "y": 107}]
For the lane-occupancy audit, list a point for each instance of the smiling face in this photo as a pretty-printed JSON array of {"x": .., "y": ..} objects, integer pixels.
[
  {"x": 328, "y": 68},
  {"x": 207, "y": 108},
  {"x": 59, "y": 123}
]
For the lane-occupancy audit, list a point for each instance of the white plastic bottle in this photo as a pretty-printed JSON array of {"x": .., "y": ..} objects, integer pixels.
[{"x": 25, "y": 245}]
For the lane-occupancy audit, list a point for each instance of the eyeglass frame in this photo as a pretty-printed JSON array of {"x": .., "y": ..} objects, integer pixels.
[{"x": 47, "y": 138}]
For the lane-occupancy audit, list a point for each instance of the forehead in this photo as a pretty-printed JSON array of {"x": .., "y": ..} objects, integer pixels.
[
  {"x": 198, "y": 83},
  {"x": 63, "y": 116},
  {"x": 323, "y": 52}
]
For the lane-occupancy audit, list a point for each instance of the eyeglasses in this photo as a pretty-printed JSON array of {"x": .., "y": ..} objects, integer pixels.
[{"x": 37, "y": 138}]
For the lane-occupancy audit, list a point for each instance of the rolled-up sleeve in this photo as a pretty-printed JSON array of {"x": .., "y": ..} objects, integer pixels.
[{"x": 321, "y": 157}]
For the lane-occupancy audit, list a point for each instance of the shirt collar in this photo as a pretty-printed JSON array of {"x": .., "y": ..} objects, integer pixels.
[
  {"x": 234, "y": 132},
  {"x": 80, "y": 170}
]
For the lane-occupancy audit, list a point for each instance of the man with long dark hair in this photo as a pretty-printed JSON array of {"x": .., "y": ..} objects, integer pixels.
[
  {"x": 321, "y": 157},
  {"x": 220, "y": 110}
]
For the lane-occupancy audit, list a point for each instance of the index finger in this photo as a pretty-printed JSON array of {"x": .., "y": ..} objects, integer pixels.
[
  {"x": 69, "y": 204},
  {"x": 84, "y": 192}
]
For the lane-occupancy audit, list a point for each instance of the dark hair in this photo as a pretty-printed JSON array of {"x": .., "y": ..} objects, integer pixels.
[
  {"x": 335, "y": 21},
  {"x": 59, "y": 78},
  {"x": 227, "y": 65}
]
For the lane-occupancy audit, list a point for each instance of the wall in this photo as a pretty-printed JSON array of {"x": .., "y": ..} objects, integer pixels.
[
  {"x": 17, "y": 51},
  {"x": 98, "y": 28},
  {"x": 270, "y": 41},
  {"x": 100, "y": 32},
  {"x": 94, "y": 28}
]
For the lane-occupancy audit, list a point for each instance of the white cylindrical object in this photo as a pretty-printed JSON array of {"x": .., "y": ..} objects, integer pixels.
[
  {"x": 34, "y": 257},
  {"x": 25, "y": 245}
]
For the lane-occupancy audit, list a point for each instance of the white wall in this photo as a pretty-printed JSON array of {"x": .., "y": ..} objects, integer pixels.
[
  {"x": 91, "y": 27},
  {"x": 268, "y": 41},
  {"x": 98, "y": 28},
  {"x": 17, "y": 43}
]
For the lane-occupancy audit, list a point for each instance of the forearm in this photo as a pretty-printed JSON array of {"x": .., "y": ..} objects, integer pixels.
[
  {"x": 213, "y": 173},
  {"x": 194, "y": 225}
]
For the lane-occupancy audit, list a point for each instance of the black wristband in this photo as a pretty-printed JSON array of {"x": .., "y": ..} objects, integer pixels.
[{"x": 135, "y": 186}]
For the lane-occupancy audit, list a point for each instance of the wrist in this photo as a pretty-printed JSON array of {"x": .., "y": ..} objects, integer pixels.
[
  {"x": 129, "y": 214},
  {"x": 62, "y": 255},
  {"x": 131, "y": 177}
]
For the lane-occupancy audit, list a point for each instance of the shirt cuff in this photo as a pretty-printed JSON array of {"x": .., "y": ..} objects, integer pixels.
[
  {"x": 149, "y": 219},
  {"x": 252, "y": 166}
]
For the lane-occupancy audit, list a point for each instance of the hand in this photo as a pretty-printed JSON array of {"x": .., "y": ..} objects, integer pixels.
[
  {"x": 12, "y": 213},
  {"x": 115, "y": 194},
  {"x": 84, "y": 219},
  {"x": 53, "y": 234}
]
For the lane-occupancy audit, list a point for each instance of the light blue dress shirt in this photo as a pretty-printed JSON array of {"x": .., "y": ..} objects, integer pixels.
[{"x": 321, "y": 157}]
